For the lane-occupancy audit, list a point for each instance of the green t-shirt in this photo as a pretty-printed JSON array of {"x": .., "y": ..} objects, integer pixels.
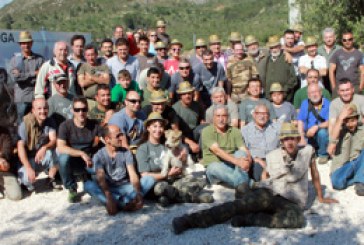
[
  {"x": 118, "y": 93},
  {"x": 190, "y": 117},
  {"x": 301, "y": 95},
  {"x": 230, "y": 142}
]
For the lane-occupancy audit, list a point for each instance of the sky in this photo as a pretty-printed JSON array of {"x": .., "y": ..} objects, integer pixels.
[{"x": 3, "y": 2}]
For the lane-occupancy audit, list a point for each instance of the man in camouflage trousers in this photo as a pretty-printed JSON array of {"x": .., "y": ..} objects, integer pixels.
[
  {"x": 279, "y": 200},
  {"x": 240, "y": 68}
]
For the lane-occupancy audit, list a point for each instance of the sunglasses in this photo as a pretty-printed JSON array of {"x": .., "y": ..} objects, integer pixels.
[
  {"x": 348, "y": 40},
  {"x": 152, "y": 35},
  {"x": 184, "y": 68},
  {"x": 161, "y": 49},
  {"x": 199, "y": 47},
  {"x": 133, "y": 101},
  {"x": 83, "y": 109},
  {"x": 176, "y": 49}
]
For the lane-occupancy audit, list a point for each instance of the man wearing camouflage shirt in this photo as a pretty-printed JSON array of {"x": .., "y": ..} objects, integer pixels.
[{"x": 240, "y": 69}]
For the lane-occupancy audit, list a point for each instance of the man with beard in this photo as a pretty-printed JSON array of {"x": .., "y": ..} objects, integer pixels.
[
  {"x": 257, "y": 54},
  {"x": 294, "y": 46},
  {"x": 196, "y": 58},
  {"x": 77, "y": 46},
  {"x": 276, "y": 68},
  {"x": 104, "y": 108},
  {"x": 313, "y": 121},
  {"x": 106, "y": 50},
  {"x": 161, "y": 32}
]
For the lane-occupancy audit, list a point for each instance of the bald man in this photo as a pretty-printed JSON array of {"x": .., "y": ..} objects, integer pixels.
[
  {"x": 59, "y": 64},
  {"x": 36, "y": 144}
]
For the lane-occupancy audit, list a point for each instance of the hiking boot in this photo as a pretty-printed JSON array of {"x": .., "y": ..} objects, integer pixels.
[
  {"x": 205, "y": 198},
  {"x": 323, "y": 160},
  {"x": 163, "y": 201},
  {"x": 359, "y": 189},
  {"x": 241, "y": 190},
  {"x": 179, "y": 225},
  {"x": 53, "y": 185},
  {"x": 72, "y": 196}
]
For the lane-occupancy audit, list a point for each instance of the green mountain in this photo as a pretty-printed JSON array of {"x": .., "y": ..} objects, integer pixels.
[{"x": 184, "y": 17}]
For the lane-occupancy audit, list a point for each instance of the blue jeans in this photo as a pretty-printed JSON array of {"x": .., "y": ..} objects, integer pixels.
[
  {"x": 123, "y": 194},
  {"x": 320, "y": 141},
  {"x": 227, "y": 173},
  {"x": 350, "y": 173},
  {"x": 68, "y": 167},
  {"x": 48, "y": 161}
]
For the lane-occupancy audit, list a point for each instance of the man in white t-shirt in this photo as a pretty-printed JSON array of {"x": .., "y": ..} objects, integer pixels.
[{"x": 311, "y": 60}]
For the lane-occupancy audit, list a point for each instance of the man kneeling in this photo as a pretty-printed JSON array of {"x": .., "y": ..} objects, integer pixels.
[
  {"x": 118, "y": 185},
  {"x": 279, "y": 201}
]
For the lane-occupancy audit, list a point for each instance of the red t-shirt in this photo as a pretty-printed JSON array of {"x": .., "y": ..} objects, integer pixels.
[{"x": 171, "y": 66}]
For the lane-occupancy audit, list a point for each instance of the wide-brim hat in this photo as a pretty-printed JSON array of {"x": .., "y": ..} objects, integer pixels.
[
  {"x": 160, "y": 45},
  {"x": 288, "y": 130},
  {"x": 235, "y": 37},
  {"x": 158, "y": 96},
  {"x": 176, "y": 42},
  {"x": 161, "y": 23},
  {"x": 297, "y": 28},
  {"x": 184, "y": 88},
  {"x": 200, "y": 42},
  {"x": 273, "y": 41},
  {"x": 214, "y": 39},
  {"x": 154, "y": 116},
  {"x": 354, "y": 112},
  {"x": 276, "y": 87},
  {"x": 310, "y": 41},
  {"x": 250, "y": 39},
  {"x": 25, "y": 37}
]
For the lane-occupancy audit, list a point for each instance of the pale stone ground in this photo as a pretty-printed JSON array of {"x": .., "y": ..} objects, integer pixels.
[{"x": 47, "y": 218}]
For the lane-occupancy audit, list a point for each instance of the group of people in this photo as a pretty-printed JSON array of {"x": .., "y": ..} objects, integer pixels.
[{"x": 256, "y": 118}]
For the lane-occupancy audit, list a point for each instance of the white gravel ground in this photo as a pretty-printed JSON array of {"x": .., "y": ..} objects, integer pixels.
[{"x": 47, "y": 218}]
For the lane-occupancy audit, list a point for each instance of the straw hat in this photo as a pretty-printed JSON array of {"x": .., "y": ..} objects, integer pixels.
[
  {"x": 200, "y": 42},
  {"x": 354, "y": 110},
  {"x": 176, "y": 42},
  {"x": 235, "y": 37},
  {"x": 161, "y": 23},
  {"x": 153, "y": 116},
  {"x": 297, "y": 28},
  {"x": 185, "y": 87},
  {"x": 159, "y": 45},
  {"x": 214, "y": 39},
  {"x": 25, "y": 37},
  {"x": 310, "y": 41},
  {"x": 250, "y": 39},
  {"x": 288, "y": 130},
  {"x": 276, "y": 87},
  {"x": 273, "y": 41},
  {"x": 158, "y": 96}
]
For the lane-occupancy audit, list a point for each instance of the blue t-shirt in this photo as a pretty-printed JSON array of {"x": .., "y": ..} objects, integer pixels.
[
  {"x": 133, "y": 128},
  {"x": 115, "y": 168},
  {"x": 308, "y": 118}
]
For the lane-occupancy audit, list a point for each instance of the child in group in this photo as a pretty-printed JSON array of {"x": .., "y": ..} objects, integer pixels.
[
  {"x": 284, "y": 110},
  {"x": 124, "y": 85}
]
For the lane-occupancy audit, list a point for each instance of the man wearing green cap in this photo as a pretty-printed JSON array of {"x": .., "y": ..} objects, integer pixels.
[
  {"x": 346, "y": 148},
  {"x": 278, "y": 201}
]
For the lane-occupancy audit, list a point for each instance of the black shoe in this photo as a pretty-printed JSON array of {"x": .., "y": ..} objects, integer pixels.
[
  {"x": 179, "y": 225},
  {"x": 53, "y": 185},
  {"x": 163, "y": 201},
  {"x": 241, "y": 190},
  {"x": 359, "y": 189}
]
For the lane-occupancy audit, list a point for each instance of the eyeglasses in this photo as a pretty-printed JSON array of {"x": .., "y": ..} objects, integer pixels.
[
  {"x": 348, "y": 40},
  {"x": 176, "y": 49},
  {"x": 152, "y": 35},
  {"x": 184, "y": 68},
  {"x": 161, "y": 49},
  {"x": 133, "y": 101},
  {"x": 261, "y": 113},
  {"x": 83, "y": 109}
]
